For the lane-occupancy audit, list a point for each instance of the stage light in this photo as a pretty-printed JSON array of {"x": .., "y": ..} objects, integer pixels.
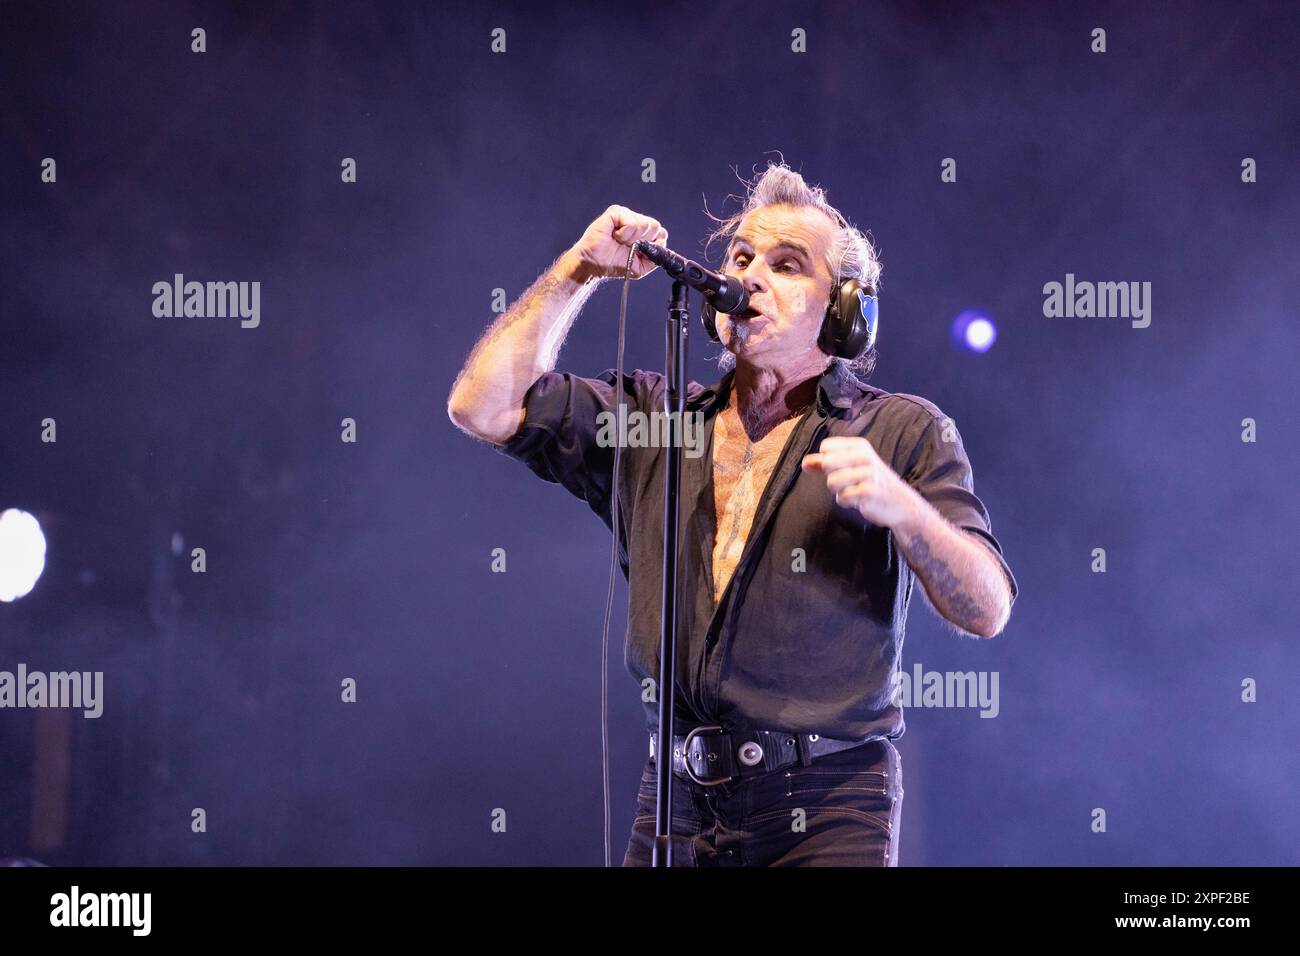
[
  {"x": 22, "y": 554},
  {"x": 974, "y": 331}
]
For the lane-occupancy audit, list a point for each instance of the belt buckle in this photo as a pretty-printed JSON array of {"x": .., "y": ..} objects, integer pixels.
[{"x": 686, "y": 756}]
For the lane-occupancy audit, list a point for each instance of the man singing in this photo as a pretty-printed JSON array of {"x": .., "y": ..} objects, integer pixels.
[{"x": 816, "y": 503}]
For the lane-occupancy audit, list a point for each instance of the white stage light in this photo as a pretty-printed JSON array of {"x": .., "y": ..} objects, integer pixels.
[{"x": 22, "y": 553}]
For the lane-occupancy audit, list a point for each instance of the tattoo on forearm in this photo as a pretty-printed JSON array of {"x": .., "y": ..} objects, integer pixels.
[
  {"x": 548, "y": 284},
  {"x": 943, "y": 580}
]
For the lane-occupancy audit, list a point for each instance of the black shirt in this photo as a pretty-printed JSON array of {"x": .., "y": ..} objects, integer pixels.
[{"x": 811, "y": 624}]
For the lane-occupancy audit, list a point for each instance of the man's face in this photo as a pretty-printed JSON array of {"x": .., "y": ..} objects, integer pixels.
[{"x": 779, "y": 253}]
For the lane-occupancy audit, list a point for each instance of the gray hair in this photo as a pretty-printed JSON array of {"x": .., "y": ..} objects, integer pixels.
[{"x": 851, "y": 254}]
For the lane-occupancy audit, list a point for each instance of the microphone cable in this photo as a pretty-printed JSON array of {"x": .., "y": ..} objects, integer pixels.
[{"x": 615, "y": 522}]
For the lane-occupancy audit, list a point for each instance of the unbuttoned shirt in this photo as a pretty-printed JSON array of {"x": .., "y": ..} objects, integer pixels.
[{"x": 809, "y": 630}]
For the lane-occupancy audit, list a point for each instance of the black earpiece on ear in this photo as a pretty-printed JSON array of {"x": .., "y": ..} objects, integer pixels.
[{"x": 848, "y": 329}]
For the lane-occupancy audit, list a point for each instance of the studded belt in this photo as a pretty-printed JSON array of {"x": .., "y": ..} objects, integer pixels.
[{"x": 710, "y": 755}]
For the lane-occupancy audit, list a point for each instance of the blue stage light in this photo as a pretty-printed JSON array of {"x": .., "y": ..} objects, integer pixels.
[{"x": 974, "y": 331}]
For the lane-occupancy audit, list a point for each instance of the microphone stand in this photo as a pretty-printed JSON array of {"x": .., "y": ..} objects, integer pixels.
[
  {"x": 674, "y": 406},
  {"x": 725, "y": 294}
]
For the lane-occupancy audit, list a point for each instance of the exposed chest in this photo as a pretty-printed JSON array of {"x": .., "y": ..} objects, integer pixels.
[{"x": 741, "y": 470}]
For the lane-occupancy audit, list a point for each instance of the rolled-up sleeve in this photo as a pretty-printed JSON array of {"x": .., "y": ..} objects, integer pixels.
[
  {"x": 941, "y": 473},
  {"x": 562, "y": 440}
]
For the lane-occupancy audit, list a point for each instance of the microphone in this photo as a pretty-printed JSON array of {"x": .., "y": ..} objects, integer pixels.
[{"x": 725, "y": 293}]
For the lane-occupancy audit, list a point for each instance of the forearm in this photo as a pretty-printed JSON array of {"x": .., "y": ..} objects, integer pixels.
[
  {"x": 517, "y": 349},
  {"x": 961, "y": 577}
]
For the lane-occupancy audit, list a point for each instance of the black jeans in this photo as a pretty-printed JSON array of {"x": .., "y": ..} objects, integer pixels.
[{"x": 841, "y": 810}]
